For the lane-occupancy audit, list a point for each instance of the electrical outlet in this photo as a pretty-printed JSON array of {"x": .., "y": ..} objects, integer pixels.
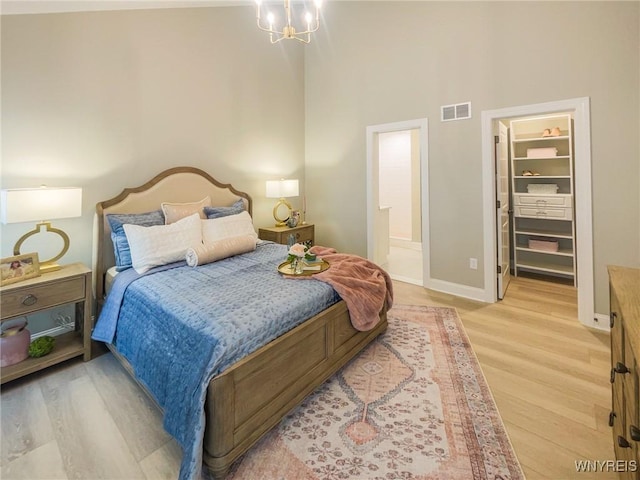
[{"x": 473, "y": 263}]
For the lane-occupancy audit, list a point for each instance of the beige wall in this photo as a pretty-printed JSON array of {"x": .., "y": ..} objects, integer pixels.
[
  {"x": 106, "y": 100},
  {"x": 384, "y": 62}
]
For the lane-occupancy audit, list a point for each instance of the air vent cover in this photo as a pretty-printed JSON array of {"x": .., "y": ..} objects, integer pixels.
[{"x": 459, "y": 111}]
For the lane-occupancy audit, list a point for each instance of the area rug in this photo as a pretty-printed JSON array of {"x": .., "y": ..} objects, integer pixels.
[{"x": 413, "y": 405}]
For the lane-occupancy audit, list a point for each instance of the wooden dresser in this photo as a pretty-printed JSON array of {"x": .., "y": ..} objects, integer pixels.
[{"x": 624, "y": 291}]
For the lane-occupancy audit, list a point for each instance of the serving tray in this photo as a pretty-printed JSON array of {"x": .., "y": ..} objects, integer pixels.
[{"x": 285, "y": 269}]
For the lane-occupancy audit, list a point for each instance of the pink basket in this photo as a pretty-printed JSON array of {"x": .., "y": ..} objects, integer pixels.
[{"x": 544, "y": 245}]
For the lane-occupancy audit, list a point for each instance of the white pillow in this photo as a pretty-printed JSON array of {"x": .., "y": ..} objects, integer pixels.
[
  {"x": 162, "y": 244},
  {"x": 216, "y": 229}
]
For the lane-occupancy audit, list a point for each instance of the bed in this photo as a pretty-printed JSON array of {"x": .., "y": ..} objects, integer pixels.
[{"x": 249, "y": 397}]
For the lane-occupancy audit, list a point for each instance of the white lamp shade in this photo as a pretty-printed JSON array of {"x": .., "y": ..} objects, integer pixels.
[
  {"x": 19, "y": 205},
  {"x": 282, "y": 188}
]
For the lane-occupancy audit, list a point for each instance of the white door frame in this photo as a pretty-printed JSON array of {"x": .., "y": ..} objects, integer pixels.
[
  {"x": 583, "y": 211},
  {"x": 501, "y": 159},
  {"x": 422, "y": 125}
]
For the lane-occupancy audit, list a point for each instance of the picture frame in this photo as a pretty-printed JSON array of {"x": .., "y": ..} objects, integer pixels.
[{"x": 18, "y": 268}]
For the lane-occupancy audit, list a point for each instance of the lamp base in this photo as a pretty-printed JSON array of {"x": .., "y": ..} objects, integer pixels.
[
  {"x": 282, "y": 222},
  {"x": 49, "y": 267}
]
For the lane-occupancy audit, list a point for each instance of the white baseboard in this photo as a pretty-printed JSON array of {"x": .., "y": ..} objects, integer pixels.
[
  {"x": 600, "y": 322},
  {"x": 465, "y": 291},
  {"x": 405, "y": 243},
  {"x": 400, "y": 278}
]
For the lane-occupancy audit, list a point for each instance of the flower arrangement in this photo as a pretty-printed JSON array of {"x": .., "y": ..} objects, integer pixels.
[{"x": 297, "y": 251}]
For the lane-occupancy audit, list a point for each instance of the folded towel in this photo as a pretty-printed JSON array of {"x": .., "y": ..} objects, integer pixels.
[{"x": 214, "y": 251}]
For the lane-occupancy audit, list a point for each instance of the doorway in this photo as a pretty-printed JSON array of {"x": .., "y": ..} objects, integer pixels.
[
  {"x": 399, "y": 194},
  {"x": 583, "y": 217},
  {"x": 397, "y": 199}
]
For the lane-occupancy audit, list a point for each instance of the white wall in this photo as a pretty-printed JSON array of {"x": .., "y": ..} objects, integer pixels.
[
  {"x": 106, "y": 100},
  {"x": 382, "y": 62}
]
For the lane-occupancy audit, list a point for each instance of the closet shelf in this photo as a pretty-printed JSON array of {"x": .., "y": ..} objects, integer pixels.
[
  {"x": 557, "y": 157},
  {"x": 542, "y": 176},
  {"x": 563, "y": 252},
  {"x": 542, "y": 233},
  {"x": 546, "y": 215},
  {"x": 537, "y": 138},
  {"x": 546, "y": 267}
]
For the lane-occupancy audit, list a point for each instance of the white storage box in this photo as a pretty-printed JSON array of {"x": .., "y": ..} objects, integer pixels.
[
  {"x": 544, "y": 244},
  {"x": 542, "y": 188},
  {"x": 546, "y": 152},
  {"x": 548, "y": 213}
]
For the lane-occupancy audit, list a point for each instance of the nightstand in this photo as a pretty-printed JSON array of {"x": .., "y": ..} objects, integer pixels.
[
  {"x": 70, "y": 284},
  {"x": 302, "y": 233}
]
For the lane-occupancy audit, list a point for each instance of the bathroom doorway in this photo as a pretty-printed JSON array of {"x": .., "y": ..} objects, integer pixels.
[{"x": 397, "y": 206}]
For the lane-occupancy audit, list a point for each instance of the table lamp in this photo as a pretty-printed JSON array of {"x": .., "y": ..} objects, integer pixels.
[
  {"x": 282, "y": 189},
  {"x": 19, "y": 205}
]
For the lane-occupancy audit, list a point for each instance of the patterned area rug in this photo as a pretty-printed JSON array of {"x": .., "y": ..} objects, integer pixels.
[{"x": 413, "y": 405}]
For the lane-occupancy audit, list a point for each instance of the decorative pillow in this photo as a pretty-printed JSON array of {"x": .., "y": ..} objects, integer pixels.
[
  {"x": 217, "y": 212},
  {"x": 162, "y": 244},
  {"x": 176, "y": 211},
  {"x": 212, "y": 252},
  {"x": 216, "y": 229},
  {"x": 119, "y": 238}
]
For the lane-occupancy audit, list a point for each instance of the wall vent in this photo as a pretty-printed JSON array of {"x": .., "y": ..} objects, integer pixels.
[{"x": 459, "y": 111}]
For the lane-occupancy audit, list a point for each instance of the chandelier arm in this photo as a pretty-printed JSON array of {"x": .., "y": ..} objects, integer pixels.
[
  {"x": 268, "y": 30},
  {"x": 292, "y": 38},
  {"x": 264, "y": 29},
  {"x": 306, "y": 32}
]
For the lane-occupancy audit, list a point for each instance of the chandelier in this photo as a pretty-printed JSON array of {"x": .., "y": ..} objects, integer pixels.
[{"x": 288, "y": 31}]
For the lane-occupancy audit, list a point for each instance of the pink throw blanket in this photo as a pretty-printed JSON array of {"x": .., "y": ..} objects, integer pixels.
[{"x": 363, "y": 285}]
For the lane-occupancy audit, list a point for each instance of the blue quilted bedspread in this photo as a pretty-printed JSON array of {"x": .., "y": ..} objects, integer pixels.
[{"x": 179, "y": 326}]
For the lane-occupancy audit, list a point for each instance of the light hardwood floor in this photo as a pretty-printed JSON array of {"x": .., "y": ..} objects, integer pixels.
[{"x": 547, "y": 373}]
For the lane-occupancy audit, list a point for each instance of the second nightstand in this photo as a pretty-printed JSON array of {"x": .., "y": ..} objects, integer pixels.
[{"x": 302, "y": 234}]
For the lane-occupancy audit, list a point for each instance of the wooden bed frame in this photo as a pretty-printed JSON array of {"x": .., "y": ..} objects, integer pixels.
[{"x": 253, "y": 395}]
